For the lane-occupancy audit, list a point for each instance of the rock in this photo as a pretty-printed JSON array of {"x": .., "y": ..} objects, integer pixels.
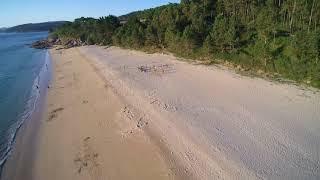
[
  {"x": 73, "y": 43},
  {"x": 58, "y": 41},
  {"x": 260, "y": 72},
  {"x": 51, "y": 41},
  {"x": 42, "y": 44}
]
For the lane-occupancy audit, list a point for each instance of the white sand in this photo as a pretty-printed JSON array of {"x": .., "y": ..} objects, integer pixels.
[{"x": 218, "y": 124}]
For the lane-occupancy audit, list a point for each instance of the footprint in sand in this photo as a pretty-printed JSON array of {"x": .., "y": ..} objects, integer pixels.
[
  {"x": 128, "y": 113},
  {"x": 87, "y": 159},
  {"x": 137, "y": 122},
  {"x": 54, "y": 114},
  {"x": 142, "y": 123}
]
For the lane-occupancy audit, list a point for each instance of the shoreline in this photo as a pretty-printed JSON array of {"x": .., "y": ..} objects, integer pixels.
[
  {"x": 106, "y": 119},
  {"x": 24, "y": 144},
  {"x": 46, "y": 149}
]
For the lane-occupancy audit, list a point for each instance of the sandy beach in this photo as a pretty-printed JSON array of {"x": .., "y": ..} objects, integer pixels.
[
  {"x": 81, "y": 133},
  {"x": 219, "y": 124},
  {"x": 119, "y": 114}
]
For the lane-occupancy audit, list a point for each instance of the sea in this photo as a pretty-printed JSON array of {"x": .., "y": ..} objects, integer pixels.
[{"x": 21, "y": 69}]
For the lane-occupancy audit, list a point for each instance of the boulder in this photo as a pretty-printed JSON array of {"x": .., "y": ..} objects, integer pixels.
[
  {"x": 42, "y": 44},
  {"x": 51, "y": 41}
]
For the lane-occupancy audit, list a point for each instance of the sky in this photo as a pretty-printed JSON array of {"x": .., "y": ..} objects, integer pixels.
[{"x": 15, "y": 12}]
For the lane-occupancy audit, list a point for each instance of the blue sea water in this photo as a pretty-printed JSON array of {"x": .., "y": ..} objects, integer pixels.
[{"x": 20, "y": 67}]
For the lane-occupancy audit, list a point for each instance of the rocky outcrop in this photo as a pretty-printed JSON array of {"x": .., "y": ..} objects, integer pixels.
[
  {"x": 73, "y": 43},
  {"x": 50, "y": 42},
  {"x": 42, "y": 44}
]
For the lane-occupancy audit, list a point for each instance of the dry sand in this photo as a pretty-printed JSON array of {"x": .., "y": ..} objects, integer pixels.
[
  {"x": 220, "y": 125},
  {"x": 120, "y": 114},
  {"x": 87, "y": 131}
]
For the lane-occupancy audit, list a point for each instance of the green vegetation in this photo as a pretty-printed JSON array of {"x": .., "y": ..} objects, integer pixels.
[
  {"x": 280, "y": 37},
  {"x": 89, "y": 30}
]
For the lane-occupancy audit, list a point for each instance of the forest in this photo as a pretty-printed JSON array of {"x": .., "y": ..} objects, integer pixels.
[{"x": 278, "y": 37}]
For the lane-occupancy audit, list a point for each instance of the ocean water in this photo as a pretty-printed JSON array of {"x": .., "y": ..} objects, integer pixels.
[{"x": 20, "y": 71}]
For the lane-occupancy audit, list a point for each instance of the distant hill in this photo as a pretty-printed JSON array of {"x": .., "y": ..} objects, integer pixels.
[
  {"x": 127, "y": 16},
  {"x": 2, "y": 29},
  {"x": 145, "y": 13},
  {"x": 35, "y": 27}
]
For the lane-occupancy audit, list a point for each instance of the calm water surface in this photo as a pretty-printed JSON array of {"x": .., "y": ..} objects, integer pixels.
[{"x": 20, "y": 67}]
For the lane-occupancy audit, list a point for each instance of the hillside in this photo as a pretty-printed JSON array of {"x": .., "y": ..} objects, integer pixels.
[
  {"x": 143, "y": 13},
  {"x": 36, "y": 27},
  {"x": 127, "y": 16},
  {"x": 271, "y": 38},
  {"x": 2, "y": 29}
]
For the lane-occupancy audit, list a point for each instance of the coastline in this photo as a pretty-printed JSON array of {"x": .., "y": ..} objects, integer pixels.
[
  {"x": 25, "y": 140},
  {"x": 78, "y": 135},
  {"x": 105, "y": 118}
]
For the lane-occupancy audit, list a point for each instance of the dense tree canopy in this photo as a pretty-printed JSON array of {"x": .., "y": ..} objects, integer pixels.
[
  {"x": 277, "y": 36},
  {"x": 90, "y": 30}
]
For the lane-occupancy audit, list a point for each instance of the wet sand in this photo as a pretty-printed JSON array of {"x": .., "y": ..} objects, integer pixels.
[{"x": 87, "y": 132}]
